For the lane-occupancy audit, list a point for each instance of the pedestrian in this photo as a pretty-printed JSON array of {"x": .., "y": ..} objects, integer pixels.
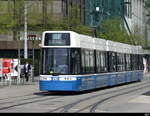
[
  {"x": 145, "y": 66},
  {"x": 27, "y": 71}
]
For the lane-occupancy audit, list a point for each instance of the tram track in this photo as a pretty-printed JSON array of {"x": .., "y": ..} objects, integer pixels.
[
  {"x": 26, "y": 101},
  {"x": 100, "y": 99},
  {"x": 66, "y": 108},
  {"x": 27, "y": 95},
  {"x": 94, "y": 107}
]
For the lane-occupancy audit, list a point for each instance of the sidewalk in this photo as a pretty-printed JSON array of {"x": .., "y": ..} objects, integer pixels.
[
  {"x": 146, "y": 76},
  {"x": 20, "y": 89}
]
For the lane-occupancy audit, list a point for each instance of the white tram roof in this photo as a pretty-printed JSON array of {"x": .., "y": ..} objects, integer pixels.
[{"x": 88, "y": 42}]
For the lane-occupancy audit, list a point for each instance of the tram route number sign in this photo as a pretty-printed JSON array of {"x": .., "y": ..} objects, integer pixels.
[{"x": 55, "y": 78}]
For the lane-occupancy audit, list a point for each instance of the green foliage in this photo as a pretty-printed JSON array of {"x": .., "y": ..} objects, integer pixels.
[
  {"x": 6, "y": 22},
  {"x": 146, "y": 48},
  {"x": 34, "y": 15},
  {"x": 112, "y": 29},
  {"x": 137, "y": 36},
  {"x": 82, "y": 29},
  {"x": 23, "y": 61}
]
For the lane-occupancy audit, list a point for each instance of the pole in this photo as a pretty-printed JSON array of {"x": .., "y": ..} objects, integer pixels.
[
  {"x": 68, "y": 18},
  {"x": 33, "y": 60},
  {"x": 18, "y": 68},
  {"x": 25, "y": 32}
]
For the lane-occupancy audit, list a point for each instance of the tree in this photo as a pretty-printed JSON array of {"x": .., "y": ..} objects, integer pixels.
[
  {"x": 7, "y": 21},
  {"x": 113, "y": 29},
  {"x": 137, "y": 36}
]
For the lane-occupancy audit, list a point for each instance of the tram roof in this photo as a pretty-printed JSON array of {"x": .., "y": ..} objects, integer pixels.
[{"x": 85, "y": 41}]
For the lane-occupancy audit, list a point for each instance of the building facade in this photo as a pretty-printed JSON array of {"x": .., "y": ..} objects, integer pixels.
[
  {"x": 147, "y": 26},
  {"x": 134, "y": 15},
  {"x": 103, "y": 9},
  {"x": 130, "y": 11}
]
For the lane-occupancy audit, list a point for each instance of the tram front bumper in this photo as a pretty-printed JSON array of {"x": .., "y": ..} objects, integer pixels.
[{"x": 58, "y": 85}]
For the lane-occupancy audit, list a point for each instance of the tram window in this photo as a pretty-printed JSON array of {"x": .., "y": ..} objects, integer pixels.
[
  {"x": 75, "y": 61},
  {"x": 57, "y": 39},
  {"x": 134, "y": 62},
  {"x": 98, "y": 61},
  {"x": 83, "y": 61},
  {"x": 101, "y": 61},
  {"x": 120, "y": 62},
  {"x": 112, "y": 61},
  {"x": 87, "y": 61},
  {"x": 128, "y": 62},
  {"x": 55, "y": 60},
  {"x": 141, "y": 66},
  {"x": 91, "y": 59}
]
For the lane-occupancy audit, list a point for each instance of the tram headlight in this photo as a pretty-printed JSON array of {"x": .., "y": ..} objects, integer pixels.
[{"x": 51, "y": 72}]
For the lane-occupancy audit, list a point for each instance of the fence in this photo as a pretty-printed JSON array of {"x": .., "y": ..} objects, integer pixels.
[{"x": 8, "y": 80}]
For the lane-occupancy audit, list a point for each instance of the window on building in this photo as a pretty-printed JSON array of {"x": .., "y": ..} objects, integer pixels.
[{"x": 128, "y": 8}]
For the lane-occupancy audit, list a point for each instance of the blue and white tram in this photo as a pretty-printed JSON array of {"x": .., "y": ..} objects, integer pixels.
[{"x": 75, "y": 62}]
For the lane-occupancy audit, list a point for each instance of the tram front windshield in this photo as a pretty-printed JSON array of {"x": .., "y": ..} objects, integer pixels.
[{"x": 55, "y": 61}]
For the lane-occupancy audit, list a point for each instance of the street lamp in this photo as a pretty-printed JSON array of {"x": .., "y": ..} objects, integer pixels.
[
  {"x": 32, "y": 37},
  {"x": 25, "y": 32},
  {"x": 96, "y": 19}
]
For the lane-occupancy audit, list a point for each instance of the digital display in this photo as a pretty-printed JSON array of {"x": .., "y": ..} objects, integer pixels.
[{"x": 57, "y": 39}]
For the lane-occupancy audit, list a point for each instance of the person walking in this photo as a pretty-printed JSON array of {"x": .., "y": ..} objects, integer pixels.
[
  {"x": 145, "y": 66},
  {"x": 27, "y": 68}
]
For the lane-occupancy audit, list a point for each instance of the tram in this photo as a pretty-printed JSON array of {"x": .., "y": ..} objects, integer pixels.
[{"x": 76, "y": 62}]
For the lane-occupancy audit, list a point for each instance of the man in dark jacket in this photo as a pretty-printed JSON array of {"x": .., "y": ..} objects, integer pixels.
[{"x": 26, "y": 70}]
